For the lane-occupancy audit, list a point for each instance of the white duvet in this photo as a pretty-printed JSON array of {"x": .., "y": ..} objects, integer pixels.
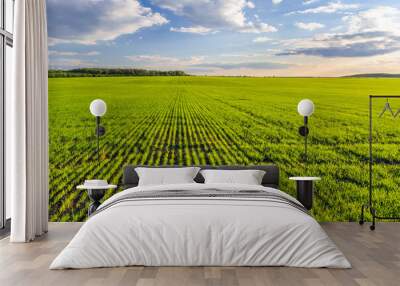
[{"x": 202, "y": 232}]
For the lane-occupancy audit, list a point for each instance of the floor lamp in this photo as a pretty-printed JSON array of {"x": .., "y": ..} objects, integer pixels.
[
  {"x": 98, "y": 108},
  {"x": 306, "y": 109}
]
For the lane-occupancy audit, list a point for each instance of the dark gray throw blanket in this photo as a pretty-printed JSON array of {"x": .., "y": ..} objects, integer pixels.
[{"x": 205, "y": 193}]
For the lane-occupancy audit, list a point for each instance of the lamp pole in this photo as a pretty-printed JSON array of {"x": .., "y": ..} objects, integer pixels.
[
  {"x": 305, "y": 141},
  {"x": 98, "y": 139},
  {"x": 303, "y": 131}
]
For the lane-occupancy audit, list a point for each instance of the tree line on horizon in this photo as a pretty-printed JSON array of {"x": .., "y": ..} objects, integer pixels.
[{"x": 105, "y": 72}]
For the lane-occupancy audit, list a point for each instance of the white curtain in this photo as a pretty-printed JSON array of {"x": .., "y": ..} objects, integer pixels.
[{"x": 27, "y": 124}]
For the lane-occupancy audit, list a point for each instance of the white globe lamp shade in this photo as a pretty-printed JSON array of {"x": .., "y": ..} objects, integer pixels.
[
  {"x": 98, "y": 107},
  {"x": 305, "y": 107}
]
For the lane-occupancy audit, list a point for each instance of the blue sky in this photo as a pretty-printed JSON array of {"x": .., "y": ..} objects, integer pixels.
[{"x": 227, "y": 37}]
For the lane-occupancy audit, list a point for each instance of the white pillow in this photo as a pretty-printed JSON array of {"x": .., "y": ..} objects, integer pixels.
[
  {"x": 166, "y": 176},
  {"x": 248, "y": 177}
]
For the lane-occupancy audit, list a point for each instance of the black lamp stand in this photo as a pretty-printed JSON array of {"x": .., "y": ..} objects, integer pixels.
[
  {"x": 100, "y": 131},
  {"x": 304, "y": 131}
]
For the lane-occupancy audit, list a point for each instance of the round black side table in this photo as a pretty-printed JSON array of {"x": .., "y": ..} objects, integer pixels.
[
  {"x": 305, "y": 186},
  {"x": 95, "y": 193}
]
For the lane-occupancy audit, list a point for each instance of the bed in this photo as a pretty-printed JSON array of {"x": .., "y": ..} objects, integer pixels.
[{"x": 198, "y": 224}]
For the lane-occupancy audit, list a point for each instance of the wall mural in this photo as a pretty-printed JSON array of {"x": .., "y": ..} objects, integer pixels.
[{"x": 218, "y": 82}]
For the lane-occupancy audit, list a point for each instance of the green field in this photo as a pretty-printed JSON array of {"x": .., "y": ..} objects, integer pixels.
[{"x": 224, "y": 121}]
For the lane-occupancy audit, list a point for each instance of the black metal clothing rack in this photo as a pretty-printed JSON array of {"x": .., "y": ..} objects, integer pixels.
[{"x": 369, "y": 206}]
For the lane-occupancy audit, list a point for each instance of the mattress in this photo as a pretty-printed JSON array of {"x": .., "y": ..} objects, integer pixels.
[{"x": 201, "y": 225}]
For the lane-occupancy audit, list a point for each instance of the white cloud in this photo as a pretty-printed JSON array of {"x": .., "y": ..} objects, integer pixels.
[
  {"x": 251, "y": 5},
  {"x": 329, "y": 8},
  {"x": 72, "y": 54},
  {"x": 51, "y": 41},
  {"x": 337, "y": 28},
  {"x": 216, "y": 14},
  {"x": 261, "y": 40},
  {"x": 309, "y": 2},
  {"x": 243, "y": 56},
  {"x": 383, "y": 19},
  {"x": 70, "y": 63},
  {"x": 258, "y": 28},
  {"x": 199, "y": 63},
  {"x": 309, "y": 26},
  {"x": 367, "y": 33},
  {"x": 164, "y": 61},
  {"x": 276, "y": 1},
  {"x": 259, "y": 65},
  {"x": 194, "y": 30},
  {"x": 89, "y": 21}
]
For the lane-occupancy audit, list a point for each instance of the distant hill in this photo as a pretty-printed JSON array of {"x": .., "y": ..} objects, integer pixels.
[
  {"x": 382, "y": 75},
  {"x": 103, "y": 72}
]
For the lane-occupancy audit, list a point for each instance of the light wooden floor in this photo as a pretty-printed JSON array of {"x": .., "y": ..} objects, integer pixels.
[{"x": 375, "y": 257}]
